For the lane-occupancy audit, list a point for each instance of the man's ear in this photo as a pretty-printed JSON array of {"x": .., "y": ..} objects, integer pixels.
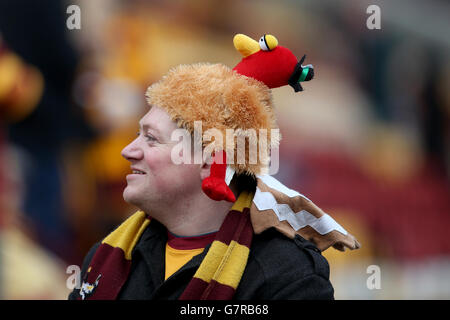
[
  {"x": 205, "y": 170},
  {"x": 207, "y": 160}
]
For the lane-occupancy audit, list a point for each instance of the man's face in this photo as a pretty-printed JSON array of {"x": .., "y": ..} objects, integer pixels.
[{"x": 155, "y": 179}]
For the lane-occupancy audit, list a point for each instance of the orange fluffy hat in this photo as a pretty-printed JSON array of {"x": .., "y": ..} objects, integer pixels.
[{"x": 239, "y": 99}]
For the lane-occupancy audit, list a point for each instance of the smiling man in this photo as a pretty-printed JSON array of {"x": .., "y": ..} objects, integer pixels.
[
  {"x": 172, "y": 193},
  {"x": 218, "y": 229}
]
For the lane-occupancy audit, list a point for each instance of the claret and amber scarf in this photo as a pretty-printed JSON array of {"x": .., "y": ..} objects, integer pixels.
[
  {"x": 217, "y": 277},
  {"x": 219, "y": 274}
]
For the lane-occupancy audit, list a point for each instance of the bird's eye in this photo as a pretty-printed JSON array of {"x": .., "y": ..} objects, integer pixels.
[{"x": 268, "y": 42}]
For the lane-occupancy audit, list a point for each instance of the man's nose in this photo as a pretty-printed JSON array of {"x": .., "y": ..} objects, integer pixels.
[{"x": 132, "y": 151}]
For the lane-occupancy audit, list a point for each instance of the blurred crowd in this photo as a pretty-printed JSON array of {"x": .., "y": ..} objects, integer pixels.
[{"x": 368, "y": 140}]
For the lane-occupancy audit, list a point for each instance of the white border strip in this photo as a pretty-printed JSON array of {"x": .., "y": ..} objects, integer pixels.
[{"x": 323, "y": 225}]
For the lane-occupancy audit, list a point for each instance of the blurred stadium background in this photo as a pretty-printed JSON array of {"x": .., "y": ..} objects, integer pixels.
[{"x": 368, "y": 140}]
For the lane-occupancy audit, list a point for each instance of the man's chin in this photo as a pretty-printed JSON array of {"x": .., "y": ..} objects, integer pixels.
[
  {"x": 135, "y": 198},
  {"x": 130, "y": 197}
]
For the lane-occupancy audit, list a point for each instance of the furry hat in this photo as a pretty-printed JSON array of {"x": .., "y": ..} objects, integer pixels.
[{"x": 237, "y": 102}]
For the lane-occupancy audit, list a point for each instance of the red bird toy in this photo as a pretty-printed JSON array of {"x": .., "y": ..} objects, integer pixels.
[
  {"x": 270, "y": 63},
  {"x": 275, "y": 66}
]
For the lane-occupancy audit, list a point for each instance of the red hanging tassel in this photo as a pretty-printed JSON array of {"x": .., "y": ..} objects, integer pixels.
[{"x": 215, "y": 186}]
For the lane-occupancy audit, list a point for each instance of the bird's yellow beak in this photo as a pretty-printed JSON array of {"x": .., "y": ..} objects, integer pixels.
[{"x": 245, "y": 45}]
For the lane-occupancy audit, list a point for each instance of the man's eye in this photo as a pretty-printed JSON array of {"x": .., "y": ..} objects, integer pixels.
[{"x": 148, "y": 137}]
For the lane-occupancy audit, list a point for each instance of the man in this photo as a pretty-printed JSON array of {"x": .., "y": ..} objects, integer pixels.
[{"x": 218, "y": 228}]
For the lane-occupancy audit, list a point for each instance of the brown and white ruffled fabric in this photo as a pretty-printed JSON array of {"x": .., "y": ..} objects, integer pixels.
[{"x": 291, "y": 213}]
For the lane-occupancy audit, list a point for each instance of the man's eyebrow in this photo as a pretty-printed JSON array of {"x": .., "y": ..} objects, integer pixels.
[{"x": 147, "y": 126}]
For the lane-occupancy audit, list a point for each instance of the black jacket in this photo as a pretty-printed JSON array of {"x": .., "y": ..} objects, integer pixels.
[{"x": 278, "y": 268}]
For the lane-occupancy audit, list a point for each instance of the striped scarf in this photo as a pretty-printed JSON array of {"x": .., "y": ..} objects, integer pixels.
[{"x": 217, "y": 277}]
